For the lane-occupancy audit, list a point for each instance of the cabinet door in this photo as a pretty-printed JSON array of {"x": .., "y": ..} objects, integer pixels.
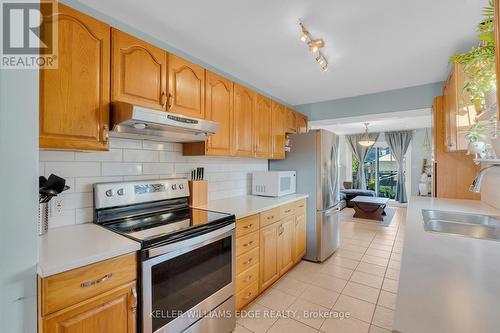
[
  {"x": 278, "y": 131},
  {"x": 244, "y": 105},
  {"x": 262, "y": 127},
  {"x": 299, "y": 236},
  {"x": 451, "y": 107},
  {"x": 139, "y": 72},
  {"x": 219, "y": 108},
  {"x": 110, "y": 312},
  {"x": 186, "y": 87},
  {"x": 301, "y": 123},
  {"x": 291, "y": 126},
  {"x": 269, "y": 265},
  {"x": 74, "y": 98},
  {"x": 285, "y": 244}
]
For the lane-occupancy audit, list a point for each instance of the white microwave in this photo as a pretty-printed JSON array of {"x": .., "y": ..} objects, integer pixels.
[{"x": 273, "y": 183}]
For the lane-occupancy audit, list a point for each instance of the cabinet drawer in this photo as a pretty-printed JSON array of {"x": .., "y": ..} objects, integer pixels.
[
  {"x": 247, "y": 243},
  {"x": 300, "y": 206},
  {"x": 68, "y": 288},
  {"x": 269, "y": 216},
  {"x": 246, "y": 278},
  {"x": 287, "y": 210},
  {"x": 247, "y": 260},
  {"x": 247, "y": 295},
  {"x": 247, "y": 225}
]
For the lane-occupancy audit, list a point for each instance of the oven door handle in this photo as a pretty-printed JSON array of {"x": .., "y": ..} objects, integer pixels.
[{"x": 205, "y": 238}]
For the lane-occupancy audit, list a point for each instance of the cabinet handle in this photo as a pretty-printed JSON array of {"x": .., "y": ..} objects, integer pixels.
[
  {"x": 248, "y": 261},
  {"x": 248, "y": 279},
  {"x": 94, "y": 282},
  {"x": 163, "y": 100},
  {"x": 270, "y": 217},
  {"x": 248, "y": 296},
  {"x": 133, "y": 307},
  {"x": 105, "y": 134},
  {"x": 288, "y": 211},
  {"x": 170, "y": 101},
  {"x": 301, "y": 206},
  {"x": 248, "y": 244},
  {"x": 280, "y": 232},
  {"x": 248, "y": 226}
]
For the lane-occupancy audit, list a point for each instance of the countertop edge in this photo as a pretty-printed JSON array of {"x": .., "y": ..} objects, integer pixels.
[
  {"x": 44, "y": 273},
  {"x": 283, "y": 201}
]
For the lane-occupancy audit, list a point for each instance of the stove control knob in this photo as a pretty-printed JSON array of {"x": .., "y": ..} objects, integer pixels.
[
  {"x": 120, "y": 192},
  {"x": 181, "y": 186},
  {"x": 110, "y": 193},
  {"x": 174, "y": 187}
]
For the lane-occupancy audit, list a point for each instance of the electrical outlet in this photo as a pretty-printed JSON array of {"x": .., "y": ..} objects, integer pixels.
[{"x": 58, "y": 205}]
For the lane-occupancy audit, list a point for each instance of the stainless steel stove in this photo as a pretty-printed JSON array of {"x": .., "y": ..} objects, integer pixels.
[{"x": 187, "y": 259}]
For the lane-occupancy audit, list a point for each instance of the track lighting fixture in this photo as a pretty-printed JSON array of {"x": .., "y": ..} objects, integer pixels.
[{"x": 314, "y": 46}]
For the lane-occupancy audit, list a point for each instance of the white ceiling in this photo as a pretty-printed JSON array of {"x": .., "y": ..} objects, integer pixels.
[
  {"x": 382, "y": 122},
  {"x": 372, "y": 46}
]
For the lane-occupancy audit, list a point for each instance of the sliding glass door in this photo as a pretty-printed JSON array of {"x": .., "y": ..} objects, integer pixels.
[{"x": 381, "y": 172}]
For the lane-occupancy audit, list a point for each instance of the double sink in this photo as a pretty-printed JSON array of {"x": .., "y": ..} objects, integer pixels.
[{"x": 462, "y": 224}]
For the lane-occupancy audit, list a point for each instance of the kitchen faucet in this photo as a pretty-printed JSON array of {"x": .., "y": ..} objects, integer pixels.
[{"x": 476, "y": 184}]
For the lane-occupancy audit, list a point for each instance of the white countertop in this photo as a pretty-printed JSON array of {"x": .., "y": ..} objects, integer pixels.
[
  {"x": 447, "y": 283},
  {"x": 247, "y": 205},
  {"x": 65, "y": 248}
]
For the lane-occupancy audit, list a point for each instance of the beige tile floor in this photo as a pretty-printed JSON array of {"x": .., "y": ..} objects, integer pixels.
[{"x": 360, "y": 278}]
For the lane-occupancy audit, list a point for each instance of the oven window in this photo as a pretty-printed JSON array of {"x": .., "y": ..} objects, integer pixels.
[
  {"x": 180, "y": 283},
  {"x": 285, "y": 183}
]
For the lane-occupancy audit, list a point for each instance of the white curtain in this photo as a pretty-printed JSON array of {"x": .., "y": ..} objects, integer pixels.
[{"x": 359, "y": 152}]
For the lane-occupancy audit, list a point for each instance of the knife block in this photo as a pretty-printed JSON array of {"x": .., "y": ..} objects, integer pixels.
[{"x": 198, "y": 192}]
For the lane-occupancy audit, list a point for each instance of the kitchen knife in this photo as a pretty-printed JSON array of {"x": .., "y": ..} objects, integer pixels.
[{"x": 202, "y": 173}]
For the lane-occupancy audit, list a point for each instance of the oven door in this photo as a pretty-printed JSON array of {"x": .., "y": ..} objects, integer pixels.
[{"x": 184, "y": 281}]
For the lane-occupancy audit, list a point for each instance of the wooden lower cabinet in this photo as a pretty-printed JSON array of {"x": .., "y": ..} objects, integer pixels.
[
  {"x": 299, "y": 237},
  {"x": 281, "y": 245},
  {"x": 97, "y": 298},
  {"x": 286, "y": 244},
  {"x": 110, "y": 312},
  {"x": 269, "y": 264}
]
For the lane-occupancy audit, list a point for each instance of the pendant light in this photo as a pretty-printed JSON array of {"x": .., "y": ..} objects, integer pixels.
[{"x": 366, "y": 141}]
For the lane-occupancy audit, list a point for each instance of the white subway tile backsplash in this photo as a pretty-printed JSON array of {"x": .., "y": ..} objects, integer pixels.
[
  {"x": 100, "y": 156},
  {"x": 136, "y": 155},
  {"x": 121, "y": 169},
  {"x": 125, "y": 143},
  {"x": 134, "y": 160},
  {"x": 84, "y": 215},
  {"x": 157, "y": 168},
  {"x": 56, "y": 155},
  {"x": 85, "y": 184},
  {"x": 152, "y": 145},
  {"x": 73, "y": 169}
]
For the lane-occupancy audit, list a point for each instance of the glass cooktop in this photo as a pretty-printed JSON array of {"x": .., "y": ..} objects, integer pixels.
[{"x": 159, "y": 227}]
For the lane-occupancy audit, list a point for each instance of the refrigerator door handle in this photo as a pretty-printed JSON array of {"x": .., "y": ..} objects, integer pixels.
[{"x": 330, "y": 211}]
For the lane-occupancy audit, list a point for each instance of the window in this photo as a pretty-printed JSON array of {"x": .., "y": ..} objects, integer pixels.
[{"x": 381, "y": 172}]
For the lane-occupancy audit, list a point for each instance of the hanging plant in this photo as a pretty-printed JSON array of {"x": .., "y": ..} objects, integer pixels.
[{"x": 479, "y": 63}]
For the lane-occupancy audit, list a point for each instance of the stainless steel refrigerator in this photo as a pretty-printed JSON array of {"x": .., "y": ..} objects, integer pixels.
[{"x": 314, "y": 156}]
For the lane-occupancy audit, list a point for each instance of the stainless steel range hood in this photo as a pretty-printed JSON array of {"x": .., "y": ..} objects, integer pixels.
[{"x": 136, "y": 122}]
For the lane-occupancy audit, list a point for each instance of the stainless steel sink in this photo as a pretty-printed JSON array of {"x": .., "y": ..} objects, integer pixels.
[{"x": 462, "y": 224}]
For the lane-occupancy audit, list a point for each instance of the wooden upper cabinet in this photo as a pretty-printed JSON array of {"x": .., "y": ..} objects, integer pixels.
[
  {"x": 139, "y": 72},
  {"x": 301, "y": 123},
  {"x": 186, "y": 87},
  {"x": 460, "y": 111},
  {"x": 74, "y": 98},
  {"x": 243, "y": 134},
  {"x": 219, "y": 108},
  {"x": 278, "y": 130},
  {"x": 291, "y": 126},
  {"x": 262, "y": 127}
]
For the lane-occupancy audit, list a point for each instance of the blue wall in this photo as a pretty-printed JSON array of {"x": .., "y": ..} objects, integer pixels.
[
  {"x": 148, "y": 38},
  {"x": 412, "y": 98}
]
